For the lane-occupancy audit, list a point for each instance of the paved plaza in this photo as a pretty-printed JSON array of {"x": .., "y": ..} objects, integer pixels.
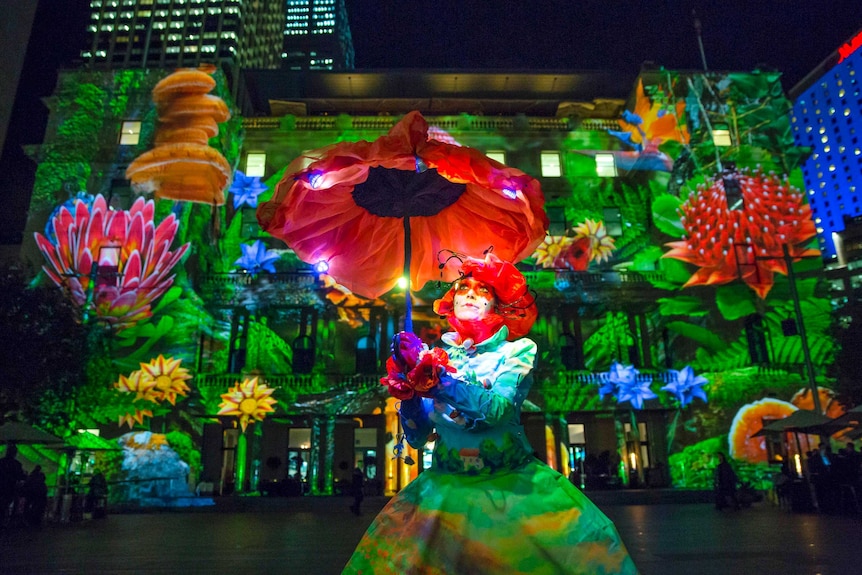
[{"x": 315, "y": 536}]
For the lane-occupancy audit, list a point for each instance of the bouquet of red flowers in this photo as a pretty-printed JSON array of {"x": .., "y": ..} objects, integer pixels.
[{"x": 413, "y": 369}]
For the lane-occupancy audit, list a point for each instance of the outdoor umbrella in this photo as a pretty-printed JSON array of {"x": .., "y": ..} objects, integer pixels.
[
  {"x": 851, "y": 418},
  {"x": 23, "y": 434},
  {"x": 800, "y": 421},
  {"x": 377, "y": 211}
]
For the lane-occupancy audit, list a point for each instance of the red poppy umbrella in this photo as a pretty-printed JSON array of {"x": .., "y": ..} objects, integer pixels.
[{"x": 374, "y": 211}]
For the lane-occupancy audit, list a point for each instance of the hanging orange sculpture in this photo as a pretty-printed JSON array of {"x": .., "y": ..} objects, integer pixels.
[{"x": 182, "y": 166}]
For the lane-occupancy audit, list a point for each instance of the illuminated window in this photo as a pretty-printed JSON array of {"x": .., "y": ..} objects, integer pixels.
[
  {"x": 130, "y": 133},
  {"x": 255, "y": 164},
  {"x": 551, "y": 166},
  {"x": 497, "y": 155},
  {"x": 606, "y": 165},
  {"x": 721, "y": 137}
]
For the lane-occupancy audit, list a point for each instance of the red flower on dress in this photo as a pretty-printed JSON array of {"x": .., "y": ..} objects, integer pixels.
[
  {"x": 730, "y": 244},
  {"x": 413, "y": 369}
]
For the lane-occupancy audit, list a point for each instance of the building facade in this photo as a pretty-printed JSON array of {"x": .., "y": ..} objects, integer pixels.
[{"x": 661, "y": 337}]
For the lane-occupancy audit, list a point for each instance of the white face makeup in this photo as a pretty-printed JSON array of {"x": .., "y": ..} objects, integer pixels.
[{"x": 473, "y": 300}]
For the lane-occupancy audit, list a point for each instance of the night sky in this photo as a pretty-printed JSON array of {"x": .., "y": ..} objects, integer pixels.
[
  {"x": 791, "y": 36},
  {"x": 788, "y": 35}
]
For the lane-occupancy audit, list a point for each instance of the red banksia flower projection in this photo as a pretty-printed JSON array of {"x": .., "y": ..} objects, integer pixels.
[
  {"x": 730, "y": 244},
  {"x": 131, "y": 256}
]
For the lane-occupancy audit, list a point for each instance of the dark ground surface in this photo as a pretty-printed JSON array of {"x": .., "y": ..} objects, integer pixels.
[{"x": 316, "y": 535}]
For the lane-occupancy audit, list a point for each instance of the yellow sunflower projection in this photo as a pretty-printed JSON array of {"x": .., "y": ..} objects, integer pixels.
[
  {"x": 601, "y": 244},
  {"x": 131, "y": 418},
  {"x": 141, "y": 387},
  {"x": 549, "y": 251},
  {"x": 249, "y": 400},
  {"x": 169, "y": 378}
]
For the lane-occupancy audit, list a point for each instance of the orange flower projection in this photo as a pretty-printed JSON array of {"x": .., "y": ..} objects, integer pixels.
[
  {"x": 143, "y": 390},
  {"x": 131, "y": 418},
  {"x": 727, "y": 244},
  {"x": 249, "y": 400},
  {"x": 590, "y": 242},
  {"x": 601, "y": 244},
  {"x": 182, "y": 166},
  {"x": 168, "y": 378},
  {"x": 748, "y": 421}
]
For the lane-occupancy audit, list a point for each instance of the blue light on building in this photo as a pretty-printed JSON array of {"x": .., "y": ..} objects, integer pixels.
[{"x": 827, "y": 117}]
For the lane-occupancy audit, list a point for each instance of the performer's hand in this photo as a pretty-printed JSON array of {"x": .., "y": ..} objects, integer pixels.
[{"x": 405, "y": 348}]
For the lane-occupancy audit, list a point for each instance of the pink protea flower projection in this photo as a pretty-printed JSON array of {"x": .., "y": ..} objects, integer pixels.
[
  {"x": 729, "y": 244},
  {"x": 128, "y": 252}
]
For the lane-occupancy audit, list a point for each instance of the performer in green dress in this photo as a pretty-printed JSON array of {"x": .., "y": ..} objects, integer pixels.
[{"x": 487, "y": 505}]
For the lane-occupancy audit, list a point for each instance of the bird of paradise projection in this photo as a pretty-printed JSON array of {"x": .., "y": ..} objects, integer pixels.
[
  {"x": 182, "y": 165},
  {"x": 113, "y": 263},
  {"x": 249, "y": 400},
  {"x": 143, "y": 390},
  {"x": 645, "y": 129},
  {"x": 168, "y": 378},
  {"x": 729, "y": 244},
  {"x": 589, "y": 242}
]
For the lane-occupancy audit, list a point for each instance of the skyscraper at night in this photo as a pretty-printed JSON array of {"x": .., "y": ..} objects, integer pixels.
[
  {"x": 317, "y": 36},
  {"x": 172, "y": 33},
  {"x": 827, "y": 117}
]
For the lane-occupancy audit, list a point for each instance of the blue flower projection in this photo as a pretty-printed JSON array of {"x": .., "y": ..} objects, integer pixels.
[
  {"x": 256, "y": 258},
  {"x": 636, "y": 393},
  {"x": 246, "y": 189},
  {"x": 622, "y": 382},
  {"x": 686, "y": 386}
]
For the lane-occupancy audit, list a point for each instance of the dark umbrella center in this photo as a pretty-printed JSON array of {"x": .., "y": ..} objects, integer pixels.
[{"x": 393, "y": 193}]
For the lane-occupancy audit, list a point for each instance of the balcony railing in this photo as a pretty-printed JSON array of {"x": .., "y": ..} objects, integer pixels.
[
  {"x": 292, "y": 279},
  {"x": 384, "y": 123},
  {"x": 300, "y": 384}
]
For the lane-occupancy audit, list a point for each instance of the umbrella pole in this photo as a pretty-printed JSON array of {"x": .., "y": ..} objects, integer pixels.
[
  {"x": 807, "y": 474},
  {"x": 408, "y": 303}
]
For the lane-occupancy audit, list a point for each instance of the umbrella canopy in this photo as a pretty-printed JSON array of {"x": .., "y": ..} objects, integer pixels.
[
  {"x": 851, "y": 418},
  {"x": 375, "y": 210},
  {"x": 800, "y": 421},
  {"x": 14, "y": 432}
]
